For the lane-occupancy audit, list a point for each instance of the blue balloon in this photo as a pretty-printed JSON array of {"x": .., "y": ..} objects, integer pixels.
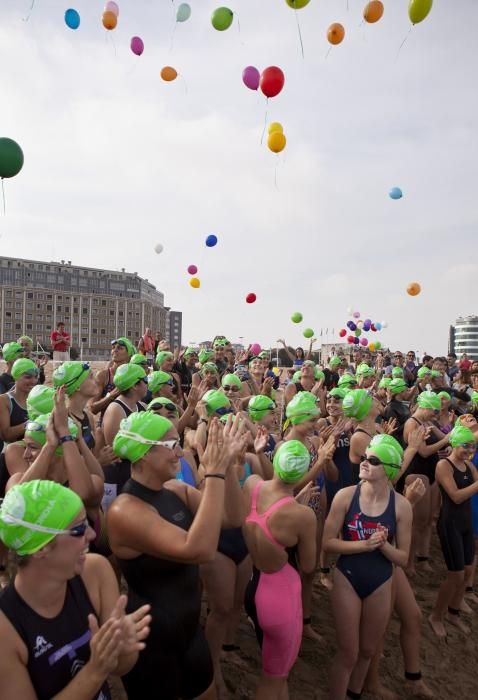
[
  {"x": 183, "y": 12},
  {"x": 211, "y": 240},
  {"x": 378, "y": 326},
  {"x": 72, "y": 19},
  {"x": 395, "y": 193}
]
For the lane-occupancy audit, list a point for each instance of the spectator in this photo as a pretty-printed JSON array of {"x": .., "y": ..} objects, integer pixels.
[
  {"x": 146, "y": 346},
  {"x": 60, "y": 341},
  {"x": 452, "y": 368},
  {"x": 464, "y": 362}
]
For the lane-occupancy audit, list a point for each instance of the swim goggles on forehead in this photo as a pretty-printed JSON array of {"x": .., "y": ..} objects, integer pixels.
[
  {"x": 85, "y": 367},
  {"x": 75, "y": 531},
  {"x": 33, "y": 372},
  {"x": 169, "y": 444}
]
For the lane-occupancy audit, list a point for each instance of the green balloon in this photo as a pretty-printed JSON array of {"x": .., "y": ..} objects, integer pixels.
[
  {"x": 296, "y": 317},
  {"x": 418, "y": 10},
  {"x": 297, "y": 4},
  {"x": 308, "y": 333},
  {"x": 11, "y": 158},
  {"x": 222, "y": 18}
]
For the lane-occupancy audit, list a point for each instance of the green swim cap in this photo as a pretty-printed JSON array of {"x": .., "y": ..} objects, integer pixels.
[
  {"x": 71, "y": 375},
  {"x": 162, "y": 356},
  {"x": 474, "y": 398},
  {"x": 126, "y": 344},
  {"x": 36, "y": 430},
  {"x": 157, "y": 379},
  {"x": 40, "y": 400},
  {"x": 427, "y": 399},
  {"x": 264, "y": 355},
  {"x": 127, "y": 376},
  {"x": 436, "y": 373},
  {"x": 31, "y": 513},
  {"x": 390, "y": 453},
  {"x": 319, "y": 375},
  {"x": 444, "y": 395},
  {"x": 338, "y": 392},
  {"x": 205, "y": 355},
  {"x": 398, "y": 385},
  {"x": 24, "y": 366},
  {"x": 11, "y": 351},
  {"x": 137, "y": 434},
  {"x": 424, "y": 372},
  {"x": 363, "y": 370},
  {"x": 220, "y": 343},
  {"x": 357, "y": 404},
  {"x": 347, "y": 380},
  {"x": 215, "y": 401},
  {"x": 397, "y": 373},
  {"x": 385, "y": 383},
  {"x": 27, "y": 339},
  {"x": 162, "y": 401},
  {"x": 208, "y": 367},
  {"x": 302, "y": 408},
  {"x": 231, "y": 380},
  {"x": 296, "y": 377},
  {"x": 139, "y": 359},
  {"x": 461, "y": 435},
  {"x": 259, "y": 406},
  {"x": 291, "y": 461},
  {"x": 190, "y": 351},
  {"x": 335, "y": 361}
]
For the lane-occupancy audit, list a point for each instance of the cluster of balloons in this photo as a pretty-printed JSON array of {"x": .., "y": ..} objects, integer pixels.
[
  {"x": 110, "y": 15},
  {"x": 297, "y": 317},
  {"x": 357, "y": 327},
  {"x": 11, "y": 158},
  {"x": 72, "y": 18},
  {"x": 276, "y": 140},
  {"x": 413, "y": 289},
  {"x": 195, "y": 282},
  {"x": 221, "y": 18},
  {"x": 271, "y": 80}
]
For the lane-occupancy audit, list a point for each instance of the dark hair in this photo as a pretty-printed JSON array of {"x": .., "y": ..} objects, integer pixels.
[
  {"x": 60, "y": 323},
  {"x": 427, "y": 358},
  {"x": 452, "y": 354},
  {"x": 299, "y": 350}
]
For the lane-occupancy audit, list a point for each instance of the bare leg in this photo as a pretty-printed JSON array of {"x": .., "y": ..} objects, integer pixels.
[
  {"x": 423, "y": 549},
  {"x": 373, "y": 684},
  {"x": 243, "y": 574},
  {"x": 347, "y": 610},
  {"x": 308, "y": 579},
  {"x": 450, "y": 590},
  {"x": 421, "y": 528},
  {"x": 271, "y": 688},
  {"x": 470, "y": 578}
]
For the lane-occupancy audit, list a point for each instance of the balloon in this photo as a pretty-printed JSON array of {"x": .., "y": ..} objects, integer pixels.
[
  {"x": 378, "y": 326},
  {"x": 308, "y": 333},
  {"x": 360, "y": 324},
  {"x": 195, "y": 282},
  {"x": 192, "y": 269},
  {"x": 272, "y": 81},
  {"x": 211, "y": 240},
  {"x": 183, "y": 12},
  {"x": 296, "y": 317},
  {"x": 250, "y": 299},
  {"x": 343, "y": 333},
  {"x": 109, "y": 20},
  {"x": 378, "y": 345},
  {"x": 395, "y": 193},
  {"x": 373, "y": 11},
  {"x": 255, "y": 348},
  {"x": 350, "y": 339},
  {"x": 275, "y": 126},
  {"x": 335, "y": 33},
  {"x": 371, "y": 347},
  {"x": 384, "y": 324},
  {"x": 251, "y": 77},
  {"x": 297, "y": 4},
  {"x": 222, "y": 18},
  {"x": 11, "y": 158},
  {"x": 363, "y": 341},
  {"x": 356, "y": 314},
  {"x": 168, "y": 73},
  {"x": 356, "y": 341},
  {"x": 112, "y": 7},
  {"x": 72, "y": 19},
  {"x": 418, "y": 10},
  {"x": 158, "y": 248},
  {"x": 137, "y": 45},
  {"x": 358, "y": 332},
  {"x": 372, "y": 327},
  {"x": 352, "y": 326},
  {"x": 413, "y": 289},
  {"x": 276, "y": 141}
]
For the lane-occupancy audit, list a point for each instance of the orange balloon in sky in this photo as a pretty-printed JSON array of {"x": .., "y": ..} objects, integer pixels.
[
  {"x": 335, "y": 33},
  {"x": 373, "y": 11},
  {"x": 109, "y": 19},
  {"x": 168, "y": 73},
  {"x": 413, "y": 289}
]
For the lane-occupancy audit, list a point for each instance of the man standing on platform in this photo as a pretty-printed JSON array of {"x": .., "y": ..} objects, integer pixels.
[{"x": 60, "y": 341}]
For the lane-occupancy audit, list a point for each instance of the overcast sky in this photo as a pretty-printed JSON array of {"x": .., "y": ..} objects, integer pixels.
[{"x": 116, "y": 160}]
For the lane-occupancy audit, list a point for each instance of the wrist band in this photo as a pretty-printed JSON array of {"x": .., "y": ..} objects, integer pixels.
[
  {"x": 66, "y": 438},
  {"x": 215, "y": 476},
  {"x": 413, "y": 676}
]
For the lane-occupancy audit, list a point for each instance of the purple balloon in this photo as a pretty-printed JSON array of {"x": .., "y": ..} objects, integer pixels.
[
  {"x": 352, "y": 326},
  {"x": 356, "y": 341},
  {"x": 137, "y": 46},
  {"x": 251, "y": 77}
]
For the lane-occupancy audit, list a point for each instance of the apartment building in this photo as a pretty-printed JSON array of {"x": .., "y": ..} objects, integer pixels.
[
  {"x": 95, "y": 305},
  {"x": 463, "y": 337}
]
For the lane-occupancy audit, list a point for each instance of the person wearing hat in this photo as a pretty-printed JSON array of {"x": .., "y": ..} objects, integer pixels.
[
  {"x": 11, "y": 352},
  {"x": 369, "y": 526},
  {"x": 122, "y": 350},
  {"x": 365, "y": 376},
  {"x": 307, "y": 382},
  {"x": 160, "y": 530},
  {"x": 213, "y": 404},
  {"x": 80, "y": 387},
  {"x": 62, "y": 621},
  {"x": 27, "y": 344},
  {"x": 160, "y": 384},
  {"x": 231, "y": 385},
  {"x": 165, "y": 363},
  {"x": 13, "y": 404},
  {"x": 397, "y": 408},
  {"x": 185, "y": 367},
  {"x": 365, "y": 409},
  {"x": 331, "y": 372},
  {"x": 219, "y": 346},
  {"x": 424, "y": 375},
  {"x": 458, "y": 481},
  {"x": 276, "y": 521},
  {"x": 139, "y": 359}
]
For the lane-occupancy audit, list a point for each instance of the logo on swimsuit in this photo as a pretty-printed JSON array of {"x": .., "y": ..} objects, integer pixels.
[
  {"x": 361, "y": 529},
  {"x": 177, "y": 517},
  {"x": 343, "y": 441},
  {"x": 41, "y": 646}
]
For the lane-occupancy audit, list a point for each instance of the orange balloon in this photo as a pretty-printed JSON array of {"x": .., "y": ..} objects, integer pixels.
[
  {"x": 168, "y": 73},
  {"x": 373, "y": 11},
  {"x": 109, "y": 19},
  {"x": 335, "y": 33},
  {"x": 413, "y": 289}
]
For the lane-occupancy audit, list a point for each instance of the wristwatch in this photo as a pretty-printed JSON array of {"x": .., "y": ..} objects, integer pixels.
[{"x": 66, "y": 438}]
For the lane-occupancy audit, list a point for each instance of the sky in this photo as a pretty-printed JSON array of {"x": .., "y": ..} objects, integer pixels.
[{"x": 117, "y": 161}]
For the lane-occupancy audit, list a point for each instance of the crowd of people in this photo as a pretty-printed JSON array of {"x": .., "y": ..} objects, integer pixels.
[{"x": 204, "y": 474}]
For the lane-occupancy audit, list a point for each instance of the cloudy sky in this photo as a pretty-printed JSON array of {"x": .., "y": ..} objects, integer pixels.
[{"x": 116, "y": 160}]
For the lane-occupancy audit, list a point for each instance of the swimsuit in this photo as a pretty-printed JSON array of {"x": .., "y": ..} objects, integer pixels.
[
  {"x": 231, "y": 540},
  {"x": 455, "y": 524}
]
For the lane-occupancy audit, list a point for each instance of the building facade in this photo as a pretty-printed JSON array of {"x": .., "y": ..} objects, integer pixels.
[
  {"x": 463, "y": 337},
  {"x": 174, "y": 323},
  {"x": 96, "y": 306}
]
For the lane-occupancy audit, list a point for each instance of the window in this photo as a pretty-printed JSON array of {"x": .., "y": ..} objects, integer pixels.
[
  {"x": 103, "y": 331},
  {"x": 67, "y": 309},
  {"x": 8, "y": 314},
  {"x": 58, "y": 308},
  {"x": 84, "y": 340},
  {"x": 49, "y": 296},
  {"x": 18, "y": 326},
  {"x": 18, "y": 304},
  {"x": 9, "y": 293},
  {"x": 49, "y": 307},
  {"x": 29, "y": 326},
  {"x": 8, "y": 324},
  {"x": 29, "y": 317},
  {"x": 18, "y": 314},
  {"x": 112, "y": 313},
  {"x": 18, "y": 294},
  {"x": 84, "y": 311},
  {"x": 94, "y": 331},
  {"x": 29, "y": 295},
  {"x": 75, "y": 309}
]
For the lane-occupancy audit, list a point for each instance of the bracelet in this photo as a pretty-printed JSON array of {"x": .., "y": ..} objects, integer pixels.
[
  {"x": 215, "y": 476},
  {"x": 66, "y": 438}
]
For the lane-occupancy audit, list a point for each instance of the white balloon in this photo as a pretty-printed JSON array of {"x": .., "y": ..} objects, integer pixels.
[
  {"x": 384, "y": 324},
  {"x": 158, "y": 248},
  {"x": 349, "y": 310}
]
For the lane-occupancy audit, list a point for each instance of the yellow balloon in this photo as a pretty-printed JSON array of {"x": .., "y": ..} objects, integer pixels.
[
  {"x": 276, "y": 141},
  {"x": 195, "y": 282},
  {"x": 275, "y": 126}
]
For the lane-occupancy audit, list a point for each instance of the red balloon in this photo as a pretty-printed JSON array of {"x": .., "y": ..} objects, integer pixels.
[
  {"x": 372, "y": 327},
  {"x": 350, "y": 339},
  {"x": 272, "y": 81},
  {"x": 250, "y": 299},
  {"x": 343, "y": 333}
]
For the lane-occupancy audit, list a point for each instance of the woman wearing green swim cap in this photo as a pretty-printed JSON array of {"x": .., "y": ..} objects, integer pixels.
[
  {"x": 257, "y": 382},
  {"x": 27, "y": 344},
  {"x": 307, "y": 383},
  {"x": 62, "y": 621},
  {"x": 122, "y": 350},
  {"x": 13, "y": 408}
]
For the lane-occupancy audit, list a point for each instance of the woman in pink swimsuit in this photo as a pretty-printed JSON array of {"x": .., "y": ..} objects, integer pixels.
[{"x": 280, "y": 535}]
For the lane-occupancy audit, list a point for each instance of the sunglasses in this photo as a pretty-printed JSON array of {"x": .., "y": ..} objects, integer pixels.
[
  {"x": 84, "y": 368},
  {"x": 223, "y": 411},
  {"x": 375, "y": 461},
  {"x": 143, "y": 379},
  {"x": 398, "y": 357},
  {"x": 226, "y": 387},
  {"x": 167, "y": 406}
]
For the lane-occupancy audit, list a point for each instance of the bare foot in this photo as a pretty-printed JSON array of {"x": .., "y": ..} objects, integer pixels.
[
  {"x": 458, "y": 622},
  {"x": 379, "y": 692},
  {"x": 424, "y": 566},
  {"x": 472, "y": 597},
  {"x": 437, "y": 626},
  {"x": 465, "y": 608},
  {"x": 309, "y": 633},
  {"x": 327, "y": 581},
  {"x": 410, "y": 571},
  {"x": 419, "y": 689}
]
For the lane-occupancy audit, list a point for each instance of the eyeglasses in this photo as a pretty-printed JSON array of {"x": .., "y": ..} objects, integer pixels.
[
  {"x": 169, "y": 444},
  {"x": 143, "y": 379},
  {"x": 167, "y": 406},
  {"x": 223, "y": 411},
  {"x": 226, "y": 387},
  {"x": 84, "y": 368},
  {"x": 398, "y": 357},
  {"x": 376, "y": 462},
  {"x": 75, "y": 531}
]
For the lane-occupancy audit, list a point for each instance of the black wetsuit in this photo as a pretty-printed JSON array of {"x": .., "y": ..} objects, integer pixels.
[
  {"x": 18, "y": 415},
  {"x": 6, "y": 382},
  {"x": 57, "y": 647},
  {"x": 401, "y": 412},
  {"x": 356, "y": 467},
  {"x": 422, "y": 465},
  {"x": 86, "y": 431},
  {"x": 455, "y": 524},
  {"x": 176, "y": 662}
]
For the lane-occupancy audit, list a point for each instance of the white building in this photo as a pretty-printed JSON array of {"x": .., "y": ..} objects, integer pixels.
[{"x": 464, "y": 337}]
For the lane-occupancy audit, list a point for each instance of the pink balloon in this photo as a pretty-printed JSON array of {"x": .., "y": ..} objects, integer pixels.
[
  {"x": 255, "y": 348},
  {"x": 251, "y": 77},
  {"x": 363, "y": 341},
  {"x": 192, "y": 269},
  {"x": 137, "y": 46},
  {"x": 112, "y": 7}
]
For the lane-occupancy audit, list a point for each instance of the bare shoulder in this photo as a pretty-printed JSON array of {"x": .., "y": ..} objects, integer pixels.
[
  {"x": 12, "y": 645},
  {"x": 403, "y": 506}
]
